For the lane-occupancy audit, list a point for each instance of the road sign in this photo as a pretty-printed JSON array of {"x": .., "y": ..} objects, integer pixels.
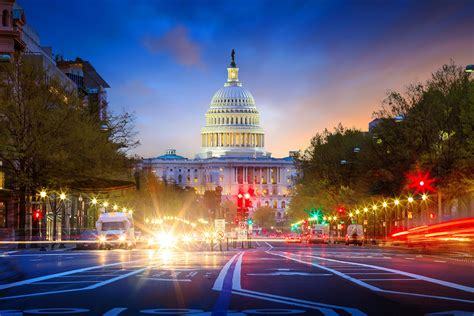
[
  {"x": 219, "y": 228},
  {"x": 242, "y": 234}
]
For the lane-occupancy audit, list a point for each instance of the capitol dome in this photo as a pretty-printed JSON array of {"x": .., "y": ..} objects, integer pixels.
[{"x": 232, "y": 121}]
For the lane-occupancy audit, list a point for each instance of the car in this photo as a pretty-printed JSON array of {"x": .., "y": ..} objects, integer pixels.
[
  {"x": 87, "y": 240},
  {"x": 293, "y": 238}
]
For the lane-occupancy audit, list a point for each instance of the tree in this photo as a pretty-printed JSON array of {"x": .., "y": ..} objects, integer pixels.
[
  {"x": 47, "y": 139},
  {"x": 264, "y": 216}
]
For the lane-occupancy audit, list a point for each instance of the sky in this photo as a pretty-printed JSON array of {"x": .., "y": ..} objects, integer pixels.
[{"x": 310, "y": 65}]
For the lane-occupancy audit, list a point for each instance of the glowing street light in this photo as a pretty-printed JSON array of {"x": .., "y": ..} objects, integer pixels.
[
  {"x": 424, "y": 196},
  {"x": 357, "y": 212},
  {"x": 384, "y": 204},
  {"x": 43, "y": 194},
  {"x": 366, "y": 209},
  {"x": 396, "y": 202},
  {"x": 115, "y": 207},
  {"x": 62, "y": 196},
  {"x": 374, "y": 207},
  {"x": 350, "y": 215},
  {"x": 94, "y": 201},
  {"x": 105, "y": 204},
  {"x": 124, "y": 210},
  {"x": 410, "y": 199}
]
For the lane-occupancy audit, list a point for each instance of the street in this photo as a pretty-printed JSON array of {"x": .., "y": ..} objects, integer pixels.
[{"x": 271, "y": 278}]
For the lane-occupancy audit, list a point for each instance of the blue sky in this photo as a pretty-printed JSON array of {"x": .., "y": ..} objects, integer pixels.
[{"x": 309, "y": 64}]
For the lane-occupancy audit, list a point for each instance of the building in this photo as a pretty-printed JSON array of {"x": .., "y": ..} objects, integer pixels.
[
  {"x": 232, "y": 155},
  {"x": 91, "y": 86}
]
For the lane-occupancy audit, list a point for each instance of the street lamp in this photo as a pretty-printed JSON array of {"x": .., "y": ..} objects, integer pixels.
[
  {"x": 62, "y": 196},
  {"x": 115, "y": 207},
  {"x": 43, "y": 194},
  {"x": 410, "y": 199},
  {"x": 424, "y": 196},
  {"x": 396, "y": 202},
  {"x": 94, "y": 201}
]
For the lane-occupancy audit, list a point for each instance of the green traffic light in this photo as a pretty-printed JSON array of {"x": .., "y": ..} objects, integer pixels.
[{"x": 250, "y": 221}]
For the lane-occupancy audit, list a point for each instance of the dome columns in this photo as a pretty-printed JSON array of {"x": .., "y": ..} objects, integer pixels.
[{"x": 233, "y": 139}]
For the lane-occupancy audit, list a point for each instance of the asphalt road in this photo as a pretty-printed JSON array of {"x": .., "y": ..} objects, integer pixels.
[{"x": 271, "y": 279}]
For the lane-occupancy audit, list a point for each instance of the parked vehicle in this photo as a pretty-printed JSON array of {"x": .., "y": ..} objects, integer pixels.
[
  {"x": 87, "y": 240},
  {"x": 318, "y": 234},
  {"x": 115, "y": 229},
  {"x": 355, "y": 234}
]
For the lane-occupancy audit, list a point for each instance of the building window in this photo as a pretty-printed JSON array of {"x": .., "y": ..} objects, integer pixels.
[
  {"x": 5, "y": 18},
  {"x": 267, "y": 203},
  {"x": 275, "y": 204},
  {"x": 3, "y": 215},
  {"x": 180, "y": 178},
  {"x": 195, "y": 180},
  {"x": 188, "y": 179},
  {"x": 283, "y": 204}
]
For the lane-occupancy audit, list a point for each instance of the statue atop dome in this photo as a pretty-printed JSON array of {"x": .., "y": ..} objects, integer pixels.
[{"x": 232, "y": 64}]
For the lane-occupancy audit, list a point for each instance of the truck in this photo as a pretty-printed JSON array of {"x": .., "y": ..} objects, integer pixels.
[
  {"x": 115, "y": 230},
  {"x": 355, "y": 234},
  {"x": 319, "y": 233}
]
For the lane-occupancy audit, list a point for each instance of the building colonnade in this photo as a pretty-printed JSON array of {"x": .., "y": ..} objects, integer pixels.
[{"x": 232, "y": 139}]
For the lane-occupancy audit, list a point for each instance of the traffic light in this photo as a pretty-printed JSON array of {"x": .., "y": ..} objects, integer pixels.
[
  {"x": 340, "y": 210},
  {"x": 249, "y": 221},
  {"x": 240, "y": 200},
  {"x": 37, "y": 215},
  {"x": 248, "y": 201},
  {"x": 421, "y": 182}
]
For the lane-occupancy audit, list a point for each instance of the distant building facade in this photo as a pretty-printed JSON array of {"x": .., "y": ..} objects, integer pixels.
[{"x": 232, "y": 154}]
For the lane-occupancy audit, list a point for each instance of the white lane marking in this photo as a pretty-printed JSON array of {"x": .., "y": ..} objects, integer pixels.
[
  {"x": 114, "y": 311},
  {"x": 61, "y": 274},
  {"x": 168, "y": 280},
  {"x": 342, "y": 275},
  {"x": 373, "y": 288},
  {"x": 324, "y": 311},
  {"x": 258, "y": 244},
  {"x": 90, "y": 287},
  {"x": 365, "y": 273},
  {"x": 63, "y": 282},
  {"x": 218, "y": 284},
  {"x": 126, "y": 275},
  {"x": 237, "y": 289},
  {"x": 388, "y": 279},
  {"x": 408, "y": 274},
  {"x": 271, "y": 247},
  {"x": 88, "y": 275},
  {"x": 442, "y": 261},
  {"x": 289, "y": 274},
  {"x": 236, "y": 285}
]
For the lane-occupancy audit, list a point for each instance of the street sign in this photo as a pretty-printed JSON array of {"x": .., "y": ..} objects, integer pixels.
[
  {"x": 242, "y": 234},
  {"x": 219, "y": 228}
]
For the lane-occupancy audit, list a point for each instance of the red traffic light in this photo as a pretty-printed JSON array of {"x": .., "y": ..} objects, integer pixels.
[
  {"x": 340, "y": 210},
  {"x": 421, "y": 182},
  {"x": 37, "y": 215}
]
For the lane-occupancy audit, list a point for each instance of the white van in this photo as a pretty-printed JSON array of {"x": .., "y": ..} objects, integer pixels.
[
  {"x": 355, "y": 234},
  {"x": 115, "y": 229},
  {"x": 318, "y": 234}
]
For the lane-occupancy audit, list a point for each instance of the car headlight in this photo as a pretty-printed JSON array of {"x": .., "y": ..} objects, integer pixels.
[
  {"x": 187, "y": 238},
  {"x": 166, "y": 240},
  {"x": 102, "y": 239},
  {"x": 122, "y": 238}
]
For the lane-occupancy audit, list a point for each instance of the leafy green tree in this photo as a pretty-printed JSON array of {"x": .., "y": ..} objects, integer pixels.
[
  {"x": 264, "y": 216},
  {"x": 47, "y": 138}
]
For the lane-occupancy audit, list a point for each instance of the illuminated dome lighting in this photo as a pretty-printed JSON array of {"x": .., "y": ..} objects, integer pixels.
[{"x": 232, "y": 122}]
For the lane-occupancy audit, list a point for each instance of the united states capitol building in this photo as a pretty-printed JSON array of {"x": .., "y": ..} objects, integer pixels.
[{"x": 233, "y": 154}]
